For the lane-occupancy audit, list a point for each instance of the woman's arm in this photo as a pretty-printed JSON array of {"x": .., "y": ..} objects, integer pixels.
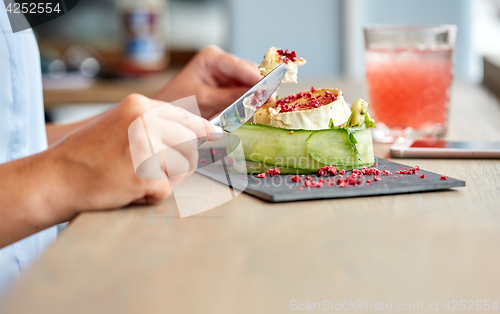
[
  {"x": 56, "y": 132},
  {"x": 28, "y": 189}
]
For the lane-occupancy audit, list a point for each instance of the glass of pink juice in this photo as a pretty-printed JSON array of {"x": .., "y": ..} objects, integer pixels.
[{"x": 409, "y": 71}]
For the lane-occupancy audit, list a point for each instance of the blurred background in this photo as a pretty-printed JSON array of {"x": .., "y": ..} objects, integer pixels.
[{"x": 103, "y": 50}]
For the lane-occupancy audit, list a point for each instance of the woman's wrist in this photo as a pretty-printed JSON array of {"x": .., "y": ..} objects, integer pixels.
[
  {"x": 31, "y": 197},
  {"x": 52, "y": 197}
]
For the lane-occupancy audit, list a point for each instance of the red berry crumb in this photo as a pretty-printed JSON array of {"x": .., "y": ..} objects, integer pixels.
[
  {"x": 444, "y": 178},
  {"x": 287, "y": 55},
  {"x": 376, "y": 178},
  {"x": 273, "y": 172},
  {"x": 296, "y": 179},
  {"x": 300, "y": 188},
  {"x": 422, "y": 176},
  {"x": 332, "y": 170},
  {"x": 356, "y": 172},
  {"x": 342, "y": 172},
  {"x": 325, "y": 171},
  {"x": 322, "y": 172},
  {"x": 342, "y": 183}
]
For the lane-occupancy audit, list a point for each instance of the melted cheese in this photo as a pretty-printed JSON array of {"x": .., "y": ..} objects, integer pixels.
[
  {"x": 272, "y": 60},
  {"x": 312, "y": 119}
]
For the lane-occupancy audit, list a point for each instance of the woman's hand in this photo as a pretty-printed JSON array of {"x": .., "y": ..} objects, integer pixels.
[
  {"x": 215, "y": 77},
  {"x": 92, "y": 168},
  {"x": 97, "y": 158}
]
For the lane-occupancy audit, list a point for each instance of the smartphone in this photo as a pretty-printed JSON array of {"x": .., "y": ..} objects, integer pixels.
[{"x": 407, "y": 148}]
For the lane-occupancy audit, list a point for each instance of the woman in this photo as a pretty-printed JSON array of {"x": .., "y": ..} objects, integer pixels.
[{"x": 87, "y": 165}]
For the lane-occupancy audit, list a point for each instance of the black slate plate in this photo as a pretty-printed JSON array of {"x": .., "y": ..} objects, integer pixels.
[{"x": 282, "y": 189}]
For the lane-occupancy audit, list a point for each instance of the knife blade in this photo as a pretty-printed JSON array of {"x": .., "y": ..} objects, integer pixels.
[{"x": 239, "y": 112}]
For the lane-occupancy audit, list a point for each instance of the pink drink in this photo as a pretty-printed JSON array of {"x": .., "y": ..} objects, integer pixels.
[
  {"x": 409, "y": 70},
  {"x": 409, "y": 88}
]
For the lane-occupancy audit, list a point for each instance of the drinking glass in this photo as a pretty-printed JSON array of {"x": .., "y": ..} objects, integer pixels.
[{"x": 409, "y": 70}]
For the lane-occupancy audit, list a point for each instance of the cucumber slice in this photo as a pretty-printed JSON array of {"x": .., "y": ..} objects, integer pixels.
[
  {"x": 273, "y": 146},
  {"x": 297, "y": 151},
  {"x": 332, "y": 147}
]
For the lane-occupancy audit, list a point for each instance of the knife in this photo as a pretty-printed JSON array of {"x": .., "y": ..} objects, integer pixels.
[{"x": 239, "y": 112}]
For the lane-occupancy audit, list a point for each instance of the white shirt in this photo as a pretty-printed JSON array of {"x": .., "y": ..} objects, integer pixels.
[{"x": 22, "y": 132}]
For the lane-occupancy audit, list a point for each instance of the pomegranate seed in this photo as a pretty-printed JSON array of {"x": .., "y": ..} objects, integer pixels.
[
  {"x": 422, "y": 176},
  {"x": 203, "y": 160},
  {"x": 261, "y": 175},
  {"x": 444, "y": 178}
]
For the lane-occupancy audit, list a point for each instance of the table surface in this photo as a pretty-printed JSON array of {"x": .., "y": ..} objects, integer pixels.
[{"x": 249, "y": 256}]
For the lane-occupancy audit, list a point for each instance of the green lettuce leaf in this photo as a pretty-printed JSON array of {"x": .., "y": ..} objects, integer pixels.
[{"x": 350, "y": 132}]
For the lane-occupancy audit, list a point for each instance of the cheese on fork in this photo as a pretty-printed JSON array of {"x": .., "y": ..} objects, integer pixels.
[
  {"x": 275, "y": 57},
  {"x": 311, "y": 110}
]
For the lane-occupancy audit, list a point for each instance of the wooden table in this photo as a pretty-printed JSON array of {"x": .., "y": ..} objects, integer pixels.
[{"x": 248, "y": 256}]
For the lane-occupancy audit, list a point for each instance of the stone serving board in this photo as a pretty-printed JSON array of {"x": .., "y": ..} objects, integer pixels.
[{"x": 281, "y": 189}]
